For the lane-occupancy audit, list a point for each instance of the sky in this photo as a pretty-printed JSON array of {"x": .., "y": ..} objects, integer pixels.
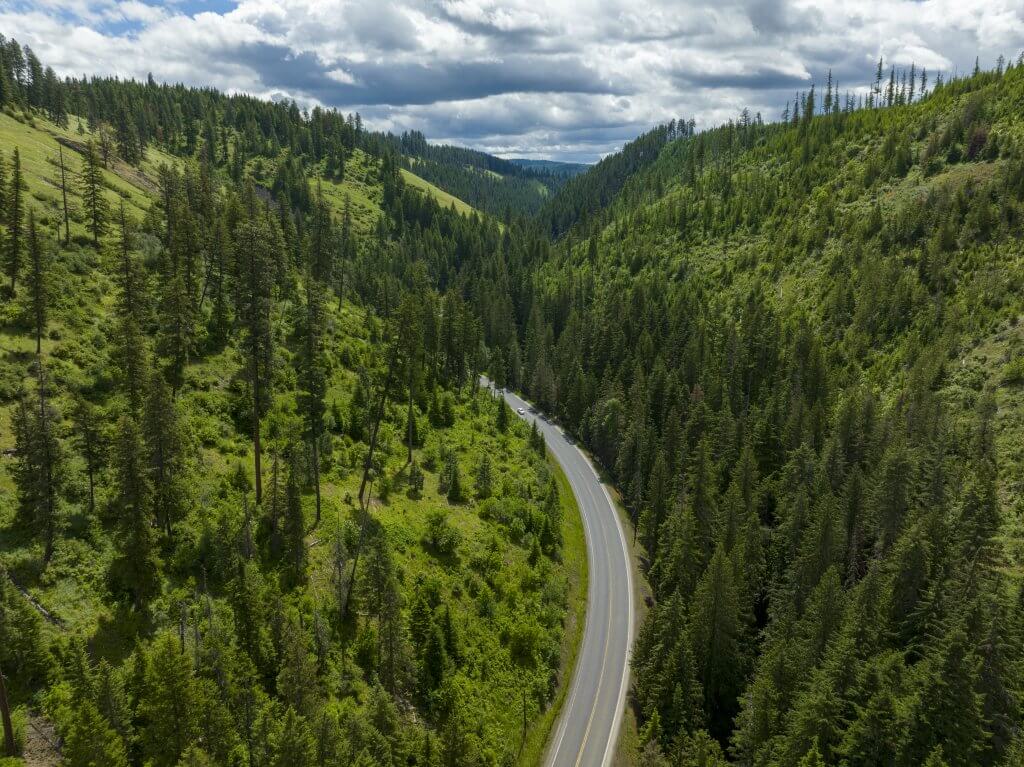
[{"x": 557, "y": 79}]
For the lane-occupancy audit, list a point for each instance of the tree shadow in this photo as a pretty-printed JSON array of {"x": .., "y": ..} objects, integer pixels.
[{"x": 115, "y": 634}]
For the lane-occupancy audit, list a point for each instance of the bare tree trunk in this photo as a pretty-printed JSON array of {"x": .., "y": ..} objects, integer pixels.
[
  {"x": 409, "y": 422},
  {"x": 316, "y": 479},
  {"x": 5, "y": 713},
  {"x": 256, "y": 423},
  {"x": 64, "y": 194},
  {"x": 50, "y": 505}
]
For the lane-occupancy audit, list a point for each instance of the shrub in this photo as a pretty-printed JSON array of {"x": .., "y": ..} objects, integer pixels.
[
  {"x": 1013, "y": 371},
  {"x": 441, "y": 536}
]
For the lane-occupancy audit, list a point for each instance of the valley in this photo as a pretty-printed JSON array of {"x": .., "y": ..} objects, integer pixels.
[{"x": 749, "y": 492}]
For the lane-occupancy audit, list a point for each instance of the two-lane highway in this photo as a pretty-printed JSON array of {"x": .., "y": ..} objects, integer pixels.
[{"x": 588, "y": 727}]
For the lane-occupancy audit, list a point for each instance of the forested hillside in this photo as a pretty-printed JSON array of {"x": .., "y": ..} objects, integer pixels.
[
  {"x": 586, "y": 195},
  {"x": 568, "y": 169},
  {"x": 500, "y": 187},
  {"x": 254, "y": 508},
  {"x": 797, "y": 349}
]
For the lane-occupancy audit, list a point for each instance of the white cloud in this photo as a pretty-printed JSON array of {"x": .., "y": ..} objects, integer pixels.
[
  {"x": 559, "y": 78},
  {"x": 133, "y": 10}
]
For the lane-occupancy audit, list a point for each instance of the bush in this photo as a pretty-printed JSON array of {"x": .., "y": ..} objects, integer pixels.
[
  {"x": 1013, "y": 371},
  {"x": 441, "y": 536}
]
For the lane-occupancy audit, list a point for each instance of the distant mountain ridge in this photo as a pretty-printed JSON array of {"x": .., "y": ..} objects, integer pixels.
[
  {"x": 553, "y": 167},
  {"x": 486, "y": 182}
]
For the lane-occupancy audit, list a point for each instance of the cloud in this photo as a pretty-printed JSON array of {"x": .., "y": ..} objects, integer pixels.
[{"x": 563, "y": 78}]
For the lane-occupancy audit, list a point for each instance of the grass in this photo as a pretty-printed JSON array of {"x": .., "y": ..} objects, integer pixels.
[
  {"x": 37, "y": 142},
  {"x": 360, "y": 189},
  {"x": 574, "y": 558},
  {"x": 443, "y": 198}
]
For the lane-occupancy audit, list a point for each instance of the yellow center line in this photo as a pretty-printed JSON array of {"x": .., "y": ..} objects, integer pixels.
[{"x": 604, "y": 660}]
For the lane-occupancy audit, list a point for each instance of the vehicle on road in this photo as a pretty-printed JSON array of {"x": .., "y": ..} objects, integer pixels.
[{"x": 589, "y": 724}]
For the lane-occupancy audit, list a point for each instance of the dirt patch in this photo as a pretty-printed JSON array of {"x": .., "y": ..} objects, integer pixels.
[
  {"x": 123, "y": 170},
  {"x": 42, "y": 745}
]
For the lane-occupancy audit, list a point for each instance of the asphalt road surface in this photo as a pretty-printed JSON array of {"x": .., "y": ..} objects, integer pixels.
[{"x": 588, "y": 727}]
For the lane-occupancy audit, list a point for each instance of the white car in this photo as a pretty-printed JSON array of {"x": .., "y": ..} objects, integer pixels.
[{"x": 520, "y": 410}]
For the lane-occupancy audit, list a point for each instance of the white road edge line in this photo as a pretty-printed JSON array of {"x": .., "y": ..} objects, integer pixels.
[
  {"x": 620, "y": 706},
  {"x": 577, "y": 679}
]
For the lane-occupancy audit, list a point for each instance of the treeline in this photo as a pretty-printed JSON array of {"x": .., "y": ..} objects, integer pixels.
[
  {"x": 228, "y": 131},
  {"x": 758, "y": 338}
]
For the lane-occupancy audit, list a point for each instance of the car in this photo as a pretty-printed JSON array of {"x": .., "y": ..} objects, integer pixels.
[{"x": 520, "y": 410}]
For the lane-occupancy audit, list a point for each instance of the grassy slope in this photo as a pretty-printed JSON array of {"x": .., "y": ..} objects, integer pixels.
[
  {"x": 73, "y": 588},
  {"x": 36, "y": 140},
  {"x": 360, "y": 190},
  {"x": 443, "y": 198}
]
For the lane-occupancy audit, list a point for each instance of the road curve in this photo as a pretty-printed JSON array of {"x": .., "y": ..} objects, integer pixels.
[{"x": 588, "y": 727}]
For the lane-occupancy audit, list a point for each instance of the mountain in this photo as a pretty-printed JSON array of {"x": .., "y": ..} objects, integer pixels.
[
  {"x": 797, "y": 350},
  {"x": 794, "y": 347},
  {"x": 499, "y": 187},
  {"x": 254, "y": 508},
  {"x": 551, "y": 166},
  {"x": 587, "y": 194}
]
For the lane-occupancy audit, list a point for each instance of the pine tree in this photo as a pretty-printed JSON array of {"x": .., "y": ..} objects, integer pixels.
[
  {"x": 92, "y": 193},
  {"x": 220, "y": 260},
  {"x": 177, "y": 329},
  {"x": 168, "y": 703},
  {"x": 90, "y": 740},
  {"x": 524, "y": 648},
  {"x": 39, "y": 472},
  {"x": 136, "y": 571},
  {"x": 454, "y": 481},
  {"x": 164, "y": 436},
  {"x": 484, "y": 478},
  {"x": 416, "y": 480},
  {"x": 131, "y": 351},
  {"x": 715, "y": 631},
  {"x": 434, "y": 663},
  {"x": 295, "y": 746},
  {"x": 502, "y": 420},
  {"x": 15, "y": 220},
  {"x": 89, "y": 438},
  {"x": 39, "y": 275},
  {"x": 257, "y": 243},
  {"x": 297, "y": 681},
  {"x": 295, "y": 524},
  {"x": 313, "y": 373}
]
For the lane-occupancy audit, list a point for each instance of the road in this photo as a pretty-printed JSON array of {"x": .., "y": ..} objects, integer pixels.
[{"x": 588, "y": 727}]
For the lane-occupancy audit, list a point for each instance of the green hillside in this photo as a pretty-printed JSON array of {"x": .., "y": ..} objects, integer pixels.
[
  {"x": 255, "y": 510},
  {"x": 485, "y": 182},
  {"x": 405, "y": 562},
  {"x": 796, "y": 348}
]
